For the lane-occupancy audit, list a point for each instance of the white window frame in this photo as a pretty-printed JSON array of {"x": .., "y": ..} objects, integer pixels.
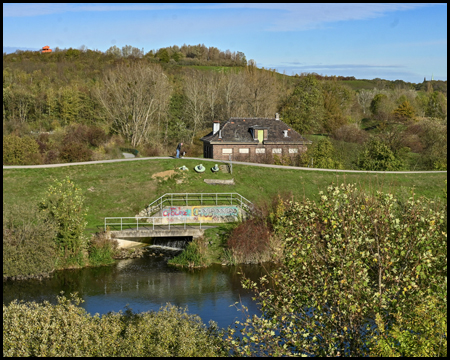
[
  {"x": 277, "y": 151},
  {"x": 260, "y": 151},
  {"x": 244, "y": 151},
  {"x": 293, "y": 151},
  {"x": 227, "y": 151}
]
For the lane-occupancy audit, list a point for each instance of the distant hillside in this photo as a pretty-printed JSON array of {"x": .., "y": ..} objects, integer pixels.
[{"x": 190, "y": 87}]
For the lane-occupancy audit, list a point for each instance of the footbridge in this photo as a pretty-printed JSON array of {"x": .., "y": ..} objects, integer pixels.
[{"x": 179, "y": 215}]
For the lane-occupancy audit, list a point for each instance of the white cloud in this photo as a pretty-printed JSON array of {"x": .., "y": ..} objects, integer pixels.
[
  {"x": 23, "y": 9},
  {"x": 294, "y": 17},
  {"x": 273, "y": 17},
  {"x": 340, "y": 66}
]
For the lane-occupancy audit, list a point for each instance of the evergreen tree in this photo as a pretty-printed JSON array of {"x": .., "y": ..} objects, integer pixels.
[{"x": 405, "y": 111}]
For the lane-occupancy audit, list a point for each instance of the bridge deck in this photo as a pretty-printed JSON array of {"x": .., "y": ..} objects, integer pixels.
[{"x": 159, "y": 231}]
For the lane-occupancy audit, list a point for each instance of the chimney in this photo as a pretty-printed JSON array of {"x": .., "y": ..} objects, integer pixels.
[
  {"x": 277, "y": 116},
  {"x": 216, "y": 126}
]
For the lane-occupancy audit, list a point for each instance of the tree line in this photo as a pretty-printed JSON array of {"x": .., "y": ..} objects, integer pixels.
[{"x": 154, "y": 102}]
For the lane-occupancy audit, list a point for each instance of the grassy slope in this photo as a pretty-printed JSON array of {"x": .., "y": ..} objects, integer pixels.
[
  {"x": 360, "y": 84},
  {"x": 125, "y": 188}
]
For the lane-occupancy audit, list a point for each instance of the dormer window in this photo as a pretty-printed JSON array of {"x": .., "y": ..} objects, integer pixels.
[{"x": 259, "y": 134}]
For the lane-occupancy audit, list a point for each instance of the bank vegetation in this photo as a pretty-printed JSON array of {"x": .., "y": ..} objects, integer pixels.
[
  {"x": 50, "y": 235},
  {"x": 358, "y": 274}
]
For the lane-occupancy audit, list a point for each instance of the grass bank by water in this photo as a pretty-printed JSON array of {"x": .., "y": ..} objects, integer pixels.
[{"x": 125, "y": 188}]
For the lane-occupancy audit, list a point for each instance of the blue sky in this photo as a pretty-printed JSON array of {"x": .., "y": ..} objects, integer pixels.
[{"x": 388, "y": 41}]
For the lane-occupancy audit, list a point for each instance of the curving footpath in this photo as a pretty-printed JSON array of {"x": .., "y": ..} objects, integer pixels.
[{"x": 214, "y": 160}]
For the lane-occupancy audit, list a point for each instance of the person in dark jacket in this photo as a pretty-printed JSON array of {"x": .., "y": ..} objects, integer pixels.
[{"x": 178, "y": 150}]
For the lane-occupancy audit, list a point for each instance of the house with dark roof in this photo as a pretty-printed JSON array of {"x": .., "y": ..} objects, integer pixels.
[{"x": 252, "y": 139}]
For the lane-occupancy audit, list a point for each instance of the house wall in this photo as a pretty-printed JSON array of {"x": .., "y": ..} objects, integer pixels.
[{"x": 217, "y": 152}]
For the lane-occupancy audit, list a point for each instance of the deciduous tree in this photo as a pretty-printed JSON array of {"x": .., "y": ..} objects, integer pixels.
[
  {"x": 196, "y": 100},
  {"x": 304, "y": 110},
  {"x": 132, "y": 94}
]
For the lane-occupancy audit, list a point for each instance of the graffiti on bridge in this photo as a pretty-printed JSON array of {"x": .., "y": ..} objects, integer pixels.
[{"x": 202, "y": 213}]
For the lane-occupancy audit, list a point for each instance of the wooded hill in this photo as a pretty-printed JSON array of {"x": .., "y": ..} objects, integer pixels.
[{"x": 95, "y": 103}]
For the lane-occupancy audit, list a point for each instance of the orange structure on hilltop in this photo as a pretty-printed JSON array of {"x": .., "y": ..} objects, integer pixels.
[{"x": 46, "y": 49}]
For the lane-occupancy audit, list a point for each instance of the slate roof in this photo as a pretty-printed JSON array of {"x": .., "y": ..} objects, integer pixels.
[{"x": 237, "y": 130}]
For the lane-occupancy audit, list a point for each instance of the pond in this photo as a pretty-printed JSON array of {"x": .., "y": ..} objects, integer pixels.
[{"x": 145, "y": 284}]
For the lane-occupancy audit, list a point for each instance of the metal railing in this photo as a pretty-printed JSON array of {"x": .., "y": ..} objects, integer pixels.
[
  {"x": 183, "y": 199},
  {"x": 162, "y": 223}
]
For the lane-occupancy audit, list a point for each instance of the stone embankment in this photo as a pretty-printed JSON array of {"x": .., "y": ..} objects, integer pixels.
[
  {"x": 39, "y": 277},
  {"x": 129, "y": 253}
]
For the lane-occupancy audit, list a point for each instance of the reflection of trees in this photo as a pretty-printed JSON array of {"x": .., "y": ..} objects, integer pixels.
[
  {"x": 69, "y": 281},
  {"x": 147, "y": 280}
]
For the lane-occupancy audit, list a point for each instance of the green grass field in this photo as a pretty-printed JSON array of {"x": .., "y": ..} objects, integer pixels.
[
  {"x": 125, "y": 188},
  {"x": 224, "y": 69}
]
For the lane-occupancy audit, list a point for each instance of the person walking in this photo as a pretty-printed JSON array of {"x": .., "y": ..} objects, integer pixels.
[{"x": 178, "y": 150}]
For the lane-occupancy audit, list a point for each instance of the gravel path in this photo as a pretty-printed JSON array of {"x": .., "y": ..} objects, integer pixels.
[
  {"x": 212, "y": 160},
  {"x": 128, "y": 155}
]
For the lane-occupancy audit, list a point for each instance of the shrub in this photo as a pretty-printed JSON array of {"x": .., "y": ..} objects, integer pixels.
[
  {"x": 253, "y": 241},
  {"x": 75, "y": 152},
  {"x": 83, "y": 134},
  {"x": 28, "y": 246},
  {"x": 95, "y": 136},
  {"x": 277, "y": 160},
  {"x": 193, "y": 256},
  {"x": 348, "y": 260},
  {"x": 112, "y": 152},
  {"x": 112, "y": 147},
  {"x": 52, "y": 157},
  {"x": 433, "y": 136},
  {"x": 43, "y": 140},
  {"x": 420, "y": 333},
  {"x": 322, "y": 155},
  {"x": 65, "y": 329},
  {"x": 64, "y": 204},
  {"x": 249, "y": 241},
  {"x": 42, "y": 146},
  {"x": 192, "y": 150},
  {"x": 377, "y": 156},
  {"x": 76, "y": 133},
  {"x": 20, "y": 150},
  {"x": 99, "y": 154},
  {"x": 44, "y": 137},
  {"x": 116, "y": 140},
  {"x": 350, "y": 133},
  {"x": 102, "y": 249}
]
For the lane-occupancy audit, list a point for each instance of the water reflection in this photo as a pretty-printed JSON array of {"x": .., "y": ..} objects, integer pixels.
[{"x": 147, "y": 284}]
